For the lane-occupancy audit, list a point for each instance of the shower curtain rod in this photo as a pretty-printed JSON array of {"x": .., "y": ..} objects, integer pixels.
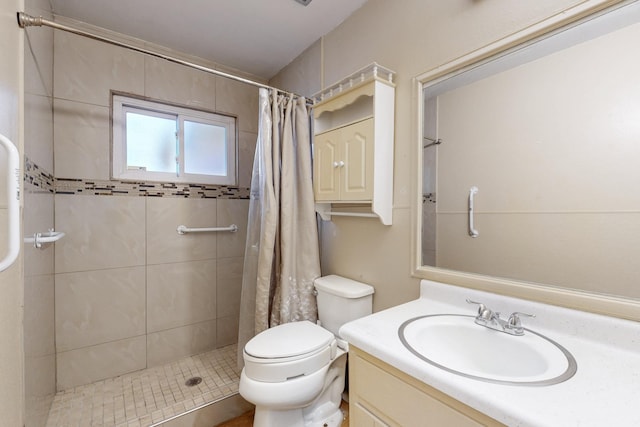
[{"x": 25, "y": 20}]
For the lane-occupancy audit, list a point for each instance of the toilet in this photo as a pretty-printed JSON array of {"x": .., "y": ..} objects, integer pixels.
[{"x": 294, "y": 373}]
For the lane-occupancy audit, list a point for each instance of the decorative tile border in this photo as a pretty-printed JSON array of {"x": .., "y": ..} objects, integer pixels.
[
  {"x": 147, "y": 189},
  {"x": 39, "y": 178}
]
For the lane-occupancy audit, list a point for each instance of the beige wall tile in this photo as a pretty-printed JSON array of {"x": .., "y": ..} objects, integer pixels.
[
  {"x": 39, "y": 317},
  {"x": 40, "y": 388},
  {"x": 38, "y": 312},
  {"x": 232, "y": 211},
  {"x": 41, "y": 378},
  {"x": 38, "y": 130},
  {"x": 239, "y": 99},
  {"x": 109, "y": 235},
  {"x": 180, "y": 294},
  {"x": 90, "y": 364},
  {"x": 38, "y": 59},
  {"x": 101, "y": 232},
  {"x": 39, "y": 370},
  {"x": 229, "y": 286},
  {"x": 227, "y": 330},
  {"x": 81, "y": 133},
  {"x": 172, "y": 344},
  {"x": 38, "y": 218},
  {"x": 176, "y": 83},
  {"x": 163, "y": 217},
  {"x": 96, "y": 307},
  {"x": 86, "y": 70},
  {"x": 246, "y": 151}
]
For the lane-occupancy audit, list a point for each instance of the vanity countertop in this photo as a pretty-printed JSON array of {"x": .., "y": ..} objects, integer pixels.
[{"x": 605, "y": 391}]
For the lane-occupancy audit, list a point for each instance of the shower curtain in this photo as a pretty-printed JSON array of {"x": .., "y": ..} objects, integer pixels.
[{"x": 281, "y": 256}]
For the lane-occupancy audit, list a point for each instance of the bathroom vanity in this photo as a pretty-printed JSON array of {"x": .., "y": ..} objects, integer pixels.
[
  {"x": 391, "y": 385},
  {"x": 382, "y": 395}
]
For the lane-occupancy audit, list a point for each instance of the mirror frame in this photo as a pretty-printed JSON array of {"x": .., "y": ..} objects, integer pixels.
[{"x": 564, "y": 297}]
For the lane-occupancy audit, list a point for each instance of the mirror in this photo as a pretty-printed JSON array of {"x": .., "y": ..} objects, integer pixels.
[{"x": 549, "y": 133}]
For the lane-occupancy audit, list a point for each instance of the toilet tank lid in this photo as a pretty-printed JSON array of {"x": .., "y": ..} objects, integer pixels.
[{"x": 343, "y": 287}]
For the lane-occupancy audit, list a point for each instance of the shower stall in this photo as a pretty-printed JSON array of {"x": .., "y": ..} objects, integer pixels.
[{"x": 126, "y": 321}]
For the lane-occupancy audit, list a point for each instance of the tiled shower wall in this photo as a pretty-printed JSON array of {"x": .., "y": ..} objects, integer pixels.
[
  {"x": 130, "y": 292},
  {"x": 38, "y": 323}
]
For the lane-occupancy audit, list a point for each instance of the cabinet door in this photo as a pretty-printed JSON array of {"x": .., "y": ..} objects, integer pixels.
[
  {"x": 360, "y": 417},
  {"x": 357, "y": 155},
  {"x": 326, "y": 166}
]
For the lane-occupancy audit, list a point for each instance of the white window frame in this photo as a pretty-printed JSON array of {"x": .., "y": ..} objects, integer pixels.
[{"x": 122, "y": 103}]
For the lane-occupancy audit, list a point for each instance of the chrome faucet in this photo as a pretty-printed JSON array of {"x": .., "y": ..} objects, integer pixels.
[{"x": 491, "y": 319}]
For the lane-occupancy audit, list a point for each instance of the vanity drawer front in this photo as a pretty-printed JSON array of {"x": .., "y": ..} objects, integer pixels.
[
  {"x": 380, "y": 395},
  {"x": 359, "y": 416}
]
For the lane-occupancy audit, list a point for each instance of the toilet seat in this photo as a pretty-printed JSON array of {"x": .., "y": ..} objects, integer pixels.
[{"x": 288, "y": 351}]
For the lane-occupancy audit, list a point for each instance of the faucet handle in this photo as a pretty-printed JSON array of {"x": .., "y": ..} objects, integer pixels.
[
  {"x": 483, "y": 312},
  {"x": 481, "y": 307},
  {"x": 514, "y": 323},
  {"x": 514, "y": 319}
]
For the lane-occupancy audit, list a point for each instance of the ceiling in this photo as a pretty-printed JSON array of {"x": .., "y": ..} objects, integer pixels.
[{"x": 259, "y": 37}]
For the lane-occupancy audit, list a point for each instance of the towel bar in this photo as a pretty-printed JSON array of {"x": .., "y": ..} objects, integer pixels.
[
  {"x": 48, "y": 237},
  {"x": 183, "y": 229}
]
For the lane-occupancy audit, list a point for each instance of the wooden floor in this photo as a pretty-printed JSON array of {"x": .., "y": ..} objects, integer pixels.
[{"x": 246, "y": 420}]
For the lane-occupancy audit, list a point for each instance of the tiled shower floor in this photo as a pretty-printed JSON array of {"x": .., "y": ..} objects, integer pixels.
[{"x": 150, "y": 396}]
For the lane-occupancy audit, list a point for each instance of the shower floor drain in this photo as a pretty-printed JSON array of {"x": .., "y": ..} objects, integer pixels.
[{"x": 193, "y": 381}]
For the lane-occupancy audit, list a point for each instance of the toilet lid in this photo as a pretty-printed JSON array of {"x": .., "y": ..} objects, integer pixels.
[{"x": 288, "y": 340}]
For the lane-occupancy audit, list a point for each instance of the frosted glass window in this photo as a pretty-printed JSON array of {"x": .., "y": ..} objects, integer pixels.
[
  {"x": 153, "y": 141},
  {"x": 205, "y": 148}
]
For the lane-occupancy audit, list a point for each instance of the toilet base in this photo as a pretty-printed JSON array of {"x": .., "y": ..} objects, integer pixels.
[
  {"x": 324, "y": 411},
  {"x": 294, "y": 417},
  {"x": 271, "y": 417}
]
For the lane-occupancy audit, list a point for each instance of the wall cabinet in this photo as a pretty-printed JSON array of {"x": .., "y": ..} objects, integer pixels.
[
  {"x": 343, "y": 163},
  {"x": 381, "y": 395},
  {"x": 353, "y": 146}
]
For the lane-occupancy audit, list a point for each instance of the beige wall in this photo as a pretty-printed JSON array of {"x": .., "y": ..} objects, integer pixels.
[
  {"x": 129, "y": 291},
  {"x": 11, "y": 280},
  {"x": 410, "y": 37}
]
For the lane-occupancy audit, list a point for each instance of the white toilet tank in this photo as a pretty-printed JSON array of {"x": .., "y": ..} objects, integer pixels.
[{"x": 341, "y": 300}]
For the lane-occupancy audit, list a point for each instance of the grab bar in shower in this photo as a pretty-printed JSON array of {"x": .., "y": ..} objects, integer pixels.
[
  {"x": 183, "y": 229},
  {"x": 472, "y": 231},
  {"x": 47, "y": 237},
  {"x": 13, "y": 203}
]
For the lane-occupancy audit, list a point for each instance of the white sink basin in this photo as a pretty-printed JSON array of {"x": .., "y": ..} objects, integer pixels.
[{"x": 458, "y": 345}]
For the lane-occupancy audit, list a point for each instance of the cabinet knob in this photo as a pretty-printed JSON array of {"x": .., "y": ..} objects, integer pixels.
[{"x": 338, "y": 164}]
